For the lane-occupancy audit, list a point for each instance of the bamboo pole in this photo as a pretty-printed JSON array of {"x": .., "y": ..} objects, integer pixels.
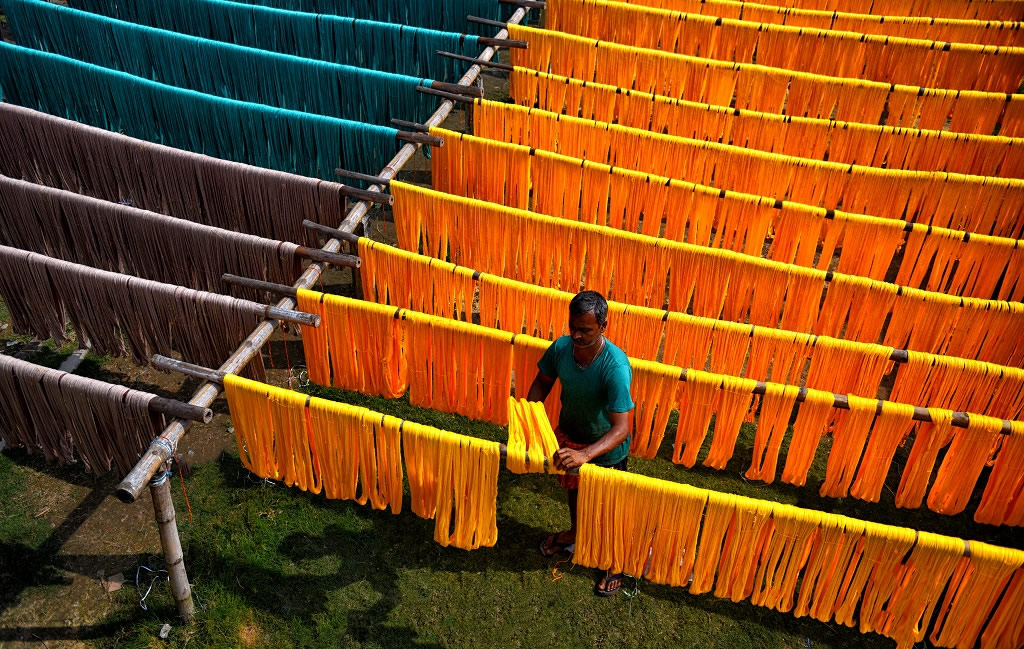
[
  {"x": 169, "y": 364},
  {"x": 419, "y": 138},
  {"x": 839, "y": 401},
  {"x": 366, "y": 178},
  {"x": 503, "y": 42},
  {"x": 472, "y": 91},
  {"x": 334, "y": 233},
  {"x": 411, "y": 126},
  {"x": 446, "y": 95},
  {"x": 290, "y": 315},
  {"x": 174, "y": 559},
  {"x": 333, "y": 258},
  {"x": 173, "y": 408},
  {"x": 130, "y": 488},
  {"x": 529, "y": 4},
  {"x": 366, "y": 195},
  {"x": 260, "y": 285},
  {"x": 484, "y": 21},
  {"x": 469, "y": 59}
]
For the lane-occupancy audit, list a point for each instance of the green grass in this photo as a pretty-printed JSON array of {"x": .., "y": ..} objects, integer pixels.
[
  {"x": 22, "y": 534},
  {"x": 17, "y": 526},
  {"x": 277, "y": 567}
]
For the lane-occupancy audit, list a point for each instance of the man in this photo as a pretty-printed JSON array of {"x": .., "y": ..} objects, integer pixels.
[{"x": 594, "y": 422}]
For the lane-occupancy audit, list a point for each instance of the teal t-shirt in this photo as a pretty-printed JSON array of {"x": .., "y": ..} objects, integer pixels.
[{"x": 589, "y": 394}]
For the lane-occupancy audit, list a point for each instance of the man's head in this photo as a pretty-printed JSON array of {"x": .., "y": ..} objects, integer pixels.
[{"x": 588, "y": 317}]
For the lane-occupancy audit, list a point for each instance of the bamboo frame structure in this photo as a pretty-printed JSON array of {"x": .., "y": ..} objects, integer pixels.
[{"x": 162, "y": 450}]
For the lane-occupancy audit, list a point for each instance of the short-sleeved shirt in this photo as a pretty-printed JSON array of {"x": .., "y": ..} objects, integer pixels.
[{"x": 589, "y": 394}]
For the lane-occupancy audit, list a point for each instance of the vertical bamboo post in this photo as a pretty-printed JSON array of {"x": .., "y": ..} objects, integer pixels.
[
  {"x": 163, "y": 508},
  {"x": 357, "y": 278}
]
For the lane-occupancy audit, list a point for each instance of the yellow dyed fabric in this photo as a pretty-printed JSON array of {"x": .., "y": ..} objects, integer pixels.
[{"x": 531, "y": 440}]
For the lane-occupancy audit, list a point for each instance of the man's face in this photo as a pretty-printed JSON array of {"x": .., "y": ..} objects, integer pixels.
[{"x": 584, "y": 330}]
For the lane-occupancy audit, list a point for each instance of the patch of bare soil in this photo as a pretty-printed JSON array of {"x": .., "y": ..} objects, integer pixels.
[{"x": 69, "y": 583}]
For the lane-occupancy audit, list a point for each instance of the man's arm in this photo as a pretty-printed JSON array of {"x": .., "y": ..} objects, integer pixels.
[
  {"x": 541, "y": 387},
  {"x": 567, "y": 459}
]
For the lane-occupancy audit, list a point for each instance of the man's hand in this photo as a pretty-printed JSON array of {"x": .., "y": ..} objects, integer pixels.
[{"x": 567, "y": 459}]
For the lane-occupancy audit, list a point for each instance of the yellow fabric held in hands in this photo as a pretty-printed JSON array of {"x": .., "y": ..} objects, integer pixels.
[
  {"x": 531, "y": 440},
  {"x": 526, "y": 353}
]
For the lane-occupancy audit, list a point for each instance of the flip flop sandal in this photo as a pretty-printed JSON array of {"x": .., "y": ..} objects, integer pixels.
[
  {"x": 608, "y": 592},
  {"x": 551, "y": 547}
]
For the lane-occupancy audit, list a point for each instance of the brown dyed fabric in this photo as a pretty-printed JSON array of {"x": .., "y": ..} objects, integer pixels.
[
  {"x": 123, "y": 239},
  {"x": 70, "y": 418},
  {"x": 48, "y": 150},
  {"x": 123, "y": 315}
]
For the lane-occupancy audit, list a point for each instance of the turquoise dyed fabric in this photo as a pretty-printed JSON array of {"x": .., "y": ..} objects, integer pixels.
[
  {"x": 275, "y": 138},
  {"x": 446, "y": 15},
  {"x": 219, "y": 68},
  {"x": 367, "y": 44}
]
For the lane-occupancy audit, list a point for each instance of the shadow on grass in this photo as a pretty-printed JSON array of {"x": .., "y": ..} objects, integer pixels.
[
  {"x": 295, "y": 557},
  {"x": 295, "y": 576},
  {"x": 30, "y": 557}
]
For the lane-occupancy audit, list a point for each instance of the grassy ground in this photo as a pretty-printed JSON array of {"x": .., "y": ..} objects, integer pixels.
[{"x": 276, "y": 567}]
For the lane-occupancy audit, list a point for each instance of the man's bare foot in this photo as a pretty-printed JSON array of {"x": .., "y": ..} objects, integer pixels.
[{"x": 609, "y": 584}]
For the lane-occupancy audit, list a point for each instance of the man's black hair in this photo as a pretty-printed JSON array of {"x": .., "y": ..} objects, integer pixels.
[{"x": 590, "y": 302}]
